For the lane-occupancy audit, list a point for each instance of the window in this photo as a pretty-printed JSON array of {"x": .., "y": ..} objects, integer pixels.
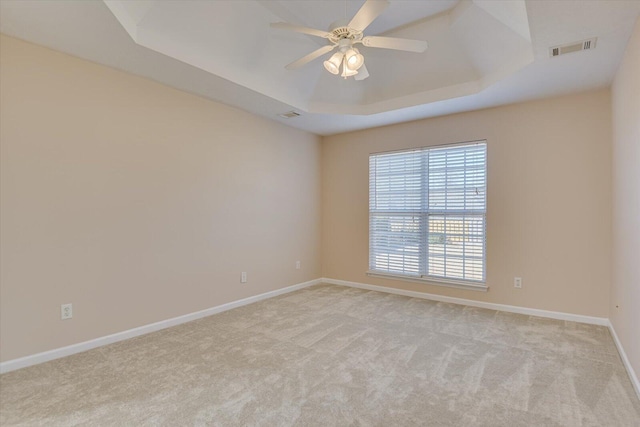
[{"x": 427, "y": 214}]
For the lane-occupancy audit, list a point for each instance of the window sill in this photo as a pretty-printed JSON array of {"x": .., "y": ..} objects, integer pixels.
[{"x": 480, "y": 287}]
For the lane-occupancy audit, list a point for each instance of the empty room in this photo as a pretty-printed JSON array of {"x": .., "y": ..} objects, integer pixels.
[{"x": 320, "y": 213}]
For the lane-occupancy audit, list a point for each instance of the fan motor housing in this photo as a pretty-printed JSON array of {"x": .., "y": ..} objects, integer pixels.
[{"x": 340, "y": 30}]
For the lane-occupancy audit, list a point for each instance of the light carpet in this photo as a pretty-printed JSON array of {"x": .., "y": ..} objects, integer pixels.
[{"x": 336, "y": 356}]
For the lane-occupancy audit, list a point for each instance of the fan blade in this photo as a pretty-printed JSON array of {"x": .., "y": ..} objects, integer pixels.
[
  {"x": 367, "y": 13},
  {"x": 395, "y": 43},
  {"x": 310, "y": 57},
  {"x": 299, "y": 29},
  {"x": 362, "y": 73}
]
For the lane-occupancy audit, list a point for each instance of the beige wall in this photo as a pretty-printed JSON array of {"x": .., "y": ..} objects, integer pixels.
[
  {"x": 625, "y": 288},
  {"x": 137, "y": 202},
  {"x": 549, "y": 200}
]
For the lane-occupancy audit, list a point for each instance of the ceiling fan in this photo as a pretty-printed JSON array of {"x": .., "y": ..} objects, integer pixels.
[{"x": 345, "y": 35}]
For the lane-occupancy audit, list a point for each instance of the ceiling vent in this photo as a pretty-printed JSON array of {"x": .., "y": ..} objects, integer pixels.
[
  {"x": 573, "y": 47},
  {"x": 289, "y": 114}
]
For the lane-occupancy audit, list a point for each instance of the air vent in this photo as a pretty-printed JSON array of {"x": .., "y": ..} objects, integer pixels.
[
  {"x": 573, "y": 47},
  {"x": 289, "y": 114}
]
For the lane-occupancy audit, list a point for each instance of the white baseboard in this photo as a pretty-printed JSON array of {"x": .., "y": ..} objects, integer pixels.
[
  {"x": 34, "y": 359},
  {"x": 602, "y": 321},
  {"x": 12, "y": 365},
  {"x": 625, "y": 360}
]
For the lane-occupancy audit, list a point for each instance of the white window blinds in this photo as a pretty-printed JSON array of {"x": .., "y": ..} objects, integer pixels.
[{"x": 427, "y": 212}]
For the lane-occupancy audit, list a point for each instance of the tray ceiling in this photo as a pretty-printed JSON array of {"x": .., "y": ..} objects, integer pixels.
[
  {"x": 481, "y": 53},
  {"x": 471, "y": 46}
]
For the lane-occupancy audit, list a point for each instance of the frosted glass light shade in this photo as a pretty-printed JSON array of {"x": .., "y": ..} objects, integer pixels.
[
  {"x": 347, "y": 71},
  {"x": 333, "y": 64},
  {"x": 354, "y": 58}
]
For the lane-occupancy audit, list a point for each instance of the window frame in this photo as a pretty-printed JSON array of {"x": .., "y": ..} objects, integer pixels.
[{"x": 469, "y": 284}]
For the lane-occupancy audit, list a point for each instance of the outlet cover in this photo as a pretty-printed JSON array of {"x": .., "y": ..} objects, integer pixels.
[{"x": 66, "y": 311}]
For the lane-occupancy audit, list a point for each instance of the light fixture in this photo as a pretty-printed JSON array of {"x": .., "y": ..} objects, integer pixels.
[
  {"x": 348, "y": 71},
  {"x": 354, "y": 58},
  {"x": 333, "y": 64},
  {"x": 344, "y": 34}
]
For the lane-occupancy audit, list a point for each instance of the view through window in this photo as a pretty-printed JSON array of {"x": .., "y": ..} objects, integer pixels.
[{"x": 427, "y": 212}]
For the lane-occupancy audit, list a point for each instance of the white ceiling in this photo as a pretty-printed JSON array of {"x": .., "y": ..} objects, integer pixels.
[{"x": 481, "y": 53}]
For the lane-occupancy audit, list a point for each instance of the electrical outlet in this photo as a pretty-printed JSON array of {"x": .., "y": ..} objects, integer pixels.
[
  {"x": 243, "y": 277},
  {"x": 297, "y": 265},
  {"x": 66, "y": 311},
  {"x": 517, "y": 282}
]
